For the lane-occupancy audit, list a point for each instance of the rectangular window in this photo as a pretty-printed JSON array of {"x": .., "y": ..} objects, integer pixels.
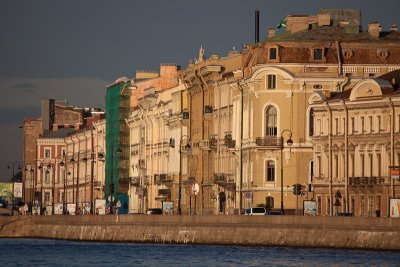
[
  {"x": 362, "y": 125},
  {"x": 319, "y": 204},
  {"x": 272, "y": 53},
  {"x": 317, "y": 54},
  {"x": 370, "y": 205},
  {"x": 47, "y": 197},
  {"x": 370, "y": 164},
  {"x": 271, "y": 81},
  {"x": 352, "y": 165},
  {"x": 336, "y": 159},
  {"x": 336, "y": 126},
  {"x": 270, "y": 175},
  {"x": 328, "y": 205},
  {"x": 352, "y": 125},
  {"x": 352, "y": 204},
  {"x": 47, "y": 176},
  {"x": 319, "y": 125},
  {"x": 47, "y": 153},
  {"x": 370, "y": 124},
  {"x": 362, "y": 205},
  {"x": 378, "y": 203},
  {"x": 344, "y": 125},
  {"x": 362, "y": 165},
  {"x": 379, "y": 124},
  {"x": 319, "y": 171},
  {"x": 398, "y": 123},
  {"x": 379, "y": 165}
]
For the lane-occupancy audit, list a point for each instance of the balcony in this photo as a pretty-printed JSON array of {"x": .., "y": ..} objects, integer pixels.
[
  {"x": 269, "y": 141},
  {"x": 204, "y": 144},
  {"x": 164, "y": 192},
  {"x": 219, "y": 178},
  {"x": 366, "y": 181},
  {"x": 135, "y": 181},
  {"x": 161, "y": 179}
]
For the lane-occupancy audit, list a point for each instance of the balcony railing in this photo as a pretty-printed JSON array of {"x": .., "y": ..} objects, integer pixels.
[
  {"x": 269, "y": 141},
  {"x": 363, "y": 181}
]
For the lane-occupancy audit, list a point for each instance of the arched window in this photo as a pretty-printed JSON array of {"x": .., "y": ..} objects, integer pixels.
[
  {"x": 271, "y": 121},
  {"x": 270, "y": 171}
]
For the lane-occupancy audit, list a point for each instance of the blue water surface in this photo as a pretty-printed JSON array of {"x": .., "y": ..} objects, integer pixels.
[{"x": 43, "y": 252}]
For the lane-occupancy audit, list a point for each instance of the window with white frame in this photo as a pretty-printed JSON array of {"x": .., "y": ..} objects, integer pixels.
[
  {"x": 47, "y": 153},
  {"x": 271, "y": 121},
  {"x": 47, "y": 176},
  {"x": 47, "y": 197},
  {"x": 269, "y": 171},
  {"x": 362, "y": 165},
  {"x": 379, "y": 124},
  {"x": 271, "y": 81}
]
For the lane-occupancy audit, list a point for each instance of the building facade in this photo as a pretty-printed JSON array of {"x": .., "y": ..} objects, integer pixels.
[{"x": 356, "y": 144}]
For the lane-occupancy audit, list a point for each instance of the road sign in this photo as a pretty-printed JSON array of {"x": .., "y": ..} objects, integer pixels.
[{"x": 247, "y": 195}]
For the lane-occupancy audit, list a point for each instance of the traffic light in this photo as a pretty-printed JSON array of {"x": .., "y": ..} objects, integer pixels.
[{"x": 296, "y": 189}]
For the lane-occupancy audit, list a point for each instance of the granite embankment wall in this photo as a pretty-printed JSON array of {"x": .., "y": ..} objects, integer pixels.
[{"x": 336, "y": 232}]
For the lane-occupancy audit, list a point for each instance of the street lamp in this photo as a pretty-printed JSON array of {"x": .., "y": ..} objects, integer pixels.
[
  {"x": 187, "y": 149},
  {"x": 13, "y": 178},
  {"x": 289, "y": 142},
  {"x": 100, "y": 156}
]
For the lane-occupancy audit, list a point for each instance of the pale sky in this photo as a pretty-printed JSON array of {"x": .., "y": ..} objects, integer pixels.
[{"x": 73, "y": 49}]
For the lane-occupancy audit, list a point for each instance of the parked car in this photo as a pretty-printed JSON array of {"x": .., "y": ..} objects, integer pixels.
[
  {"x": 154, "y": 211},
  {"x": 273, "y": 212},
  {"x": 255, "y": 211}
]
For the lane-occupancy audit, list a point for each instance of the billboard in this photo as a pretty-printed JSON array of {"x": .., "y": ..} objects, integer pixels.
[
  {"x": 395, "y": 172},
  {"x": 394, "y": 208},
  {"x": 168, "y": 207},
  {"x": 6, "y": 190},
  {"x": 58, "y": 208},
  {"x": 18, "y": 190},
  {"x": 100, "y": 206},
  {"x": 310, "y": 208}
]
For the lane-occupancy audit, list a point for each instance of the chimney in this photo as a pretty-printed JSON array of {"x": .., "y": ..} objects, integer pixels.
[
  {"x": 257, "y": 26},
  {"x": 393, "y": 28},
  {"x": 373, "y": 29},
  {"x": 271, "y": 32}
]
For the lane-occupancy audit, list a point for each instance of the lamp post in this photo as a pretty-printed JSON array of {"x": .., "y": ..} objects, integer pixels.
[
  {"x": 49, "y": 167},
  {"x": 187, "y": 149},
  {"x": 100, "y": 156},
  {"x": 13, "y": 179},
  {"x": 289, "y": 143}
]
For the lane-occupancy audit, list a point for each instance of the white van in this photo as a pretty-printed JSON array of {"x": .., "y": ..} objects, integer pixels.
[{"x": 255, "y": 211}]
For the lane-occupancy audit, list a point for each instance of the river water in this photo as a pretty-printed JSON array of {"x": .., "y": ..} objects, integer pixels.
[{"x": 43, "y": 252}]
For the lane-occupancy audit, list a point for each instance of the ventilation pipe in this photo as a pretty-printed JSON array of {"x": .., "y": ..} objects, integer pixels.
[{"x": 257, "y": 26}]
